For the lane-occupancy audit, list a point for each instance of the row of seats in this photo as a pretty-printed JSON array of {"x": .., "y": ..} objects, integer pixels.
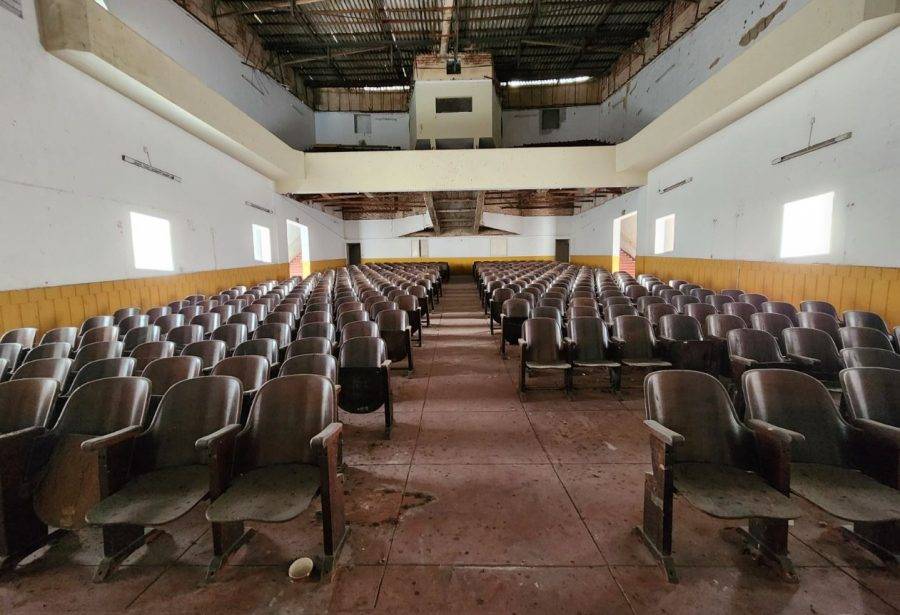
[{"x": 750, "y": 452}]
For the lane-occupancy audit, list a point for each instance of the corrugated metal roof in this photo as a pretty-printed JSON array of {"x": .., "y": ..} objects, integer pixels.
[{"x": 373, "y": 42}]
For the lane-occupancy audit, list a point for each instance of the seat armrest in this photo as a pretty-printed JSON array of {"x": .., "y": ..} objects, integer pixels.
[
  {"x": 807, "y": 361},
  {"x": 887, "y": 434},
  {"x": 663, "y": 433},
  {"x": 785, "y": 435},
  {"x": 617, "y": 341},
  {"x": 211, "y": 440},
  {"x": 327, "y": 438},
  {"x": 748, "y": 363},
  {"x": 111, "y": 439},
  {"x": 12, "y": 437}
]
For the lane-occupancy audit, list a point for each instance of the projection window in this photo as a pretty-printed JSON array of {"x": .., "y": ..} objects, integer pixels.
[
  {"x": 806, "y": 226},
  {"x": 262, "y": 244},
  {"x": 453, "y": 105},
  {"x": 151, "y": 238},
  {"x": 362, "y": 124},
  {"x": 665, "y": 234}
]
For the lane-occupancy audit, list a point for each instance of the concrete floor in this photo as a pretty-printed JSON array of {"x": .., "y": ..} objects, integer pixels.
[{"x": 480, "y": 502}]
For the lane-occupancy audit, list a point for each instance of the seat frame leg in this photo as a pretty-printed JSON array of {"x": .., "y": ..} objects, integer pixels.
[
  {"x": 659, "y": 492},
  {"x": 227, "y": 539},
  {"x": 119, "y": 542},
  {"x": 769, "y": 538},
  {"x": 877, "y": 538},
  {"x": 9, "y": 562}
]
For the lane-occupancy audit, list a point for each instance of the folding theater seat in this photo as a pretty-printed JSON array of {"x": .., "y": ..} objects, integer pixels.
[
  {"x": 183, "y": 458},
  {"x": 543, "y": 348},
  {"x": 140, "y": 335},
  {"x": 815, "y": 350},
  {"x": 364, "y": 371},
  {"x": 700, "y": 294},
  {"x": 95, "y": 322},
  {"x": 184, "y": 335},
  {"x": 210, "y": 353},
  {"x": 589, "y": 348},
  {"x": 857, "y": 318},
  {"x": 58, "y": 369},
  {"x": 232, "y": 335},
  {"x": 818, "y": 307},
  {"x": 149, "y": 352},
  {"x": 866, "y": 357},
  {"x": 95, "y": 351},
  {"x": 864, "y": 337},
  {"x": 98, "y": 334},
  {"x": 682, "y": 343},
  {"x": 756, "y": 300},
  {"x": 394, "y": 329},
  {"x": 655, "y": 311},
  {"x": 154, "y": 314},
  {"x": 68, "y": 335},
  {"x": 702, "y": 452},
  {"x": 410, "y": 305},
  {"x": 781, "y": 307},
  {"x": 167, "y": 322},
  {"x": 718, "y": 302},
  {"x": 251, "y": 370},
  {"x": 734, "y": 293},
  {"x": 248, "y": 319},
  {"x": 210, "y": 321},
  {"x": 635, "y": 344},
  {"x": 123, "y": 313},
  {"x": 771, "y": 323},
  {"x": 50, "y": 350},
  {"x": 822, "y": 322},
  {"x": 513, "y": 313},
  {"x": 823, "y": 459},
  {"x": 96, "y": 370}
]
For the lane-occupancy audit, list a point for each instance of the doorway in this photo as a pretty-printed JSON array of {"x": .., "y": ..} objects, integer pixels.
[
  {"x": 298, "y": 249},
  {"x": 562, "y": 250},
  {"x": 624, "y": 252},
  {"x": 354, "y": 254}
]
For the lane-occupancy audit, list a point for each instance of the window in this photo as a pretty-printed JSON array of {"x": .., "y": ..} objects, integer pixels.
[
  {"x": 550, "y": 119},
  {"x": 806, "y": 226},
  {"x": 151, "y": 239},
  {"x": 362, "y": 124},
  {"x": 262, "y": 244},
  {"x": 665, "y": 234},
  {"x": 453, "y": 105}
]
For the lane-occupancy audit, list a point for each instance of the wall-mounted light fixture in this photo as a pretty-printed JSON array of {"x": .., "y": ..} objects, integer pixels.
[
  {"x": 676, "y": 185},
  {"x": 148, "y": 167},
  {"x": 812, "y": 148},
  {"x": 259, "y": 207}
]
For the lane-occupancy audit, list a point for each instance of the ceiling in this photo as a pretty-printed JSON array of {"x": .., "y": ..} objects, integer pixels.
[
  {"x": 352, "y": 43},
  {"x": 460, "y": 212}
]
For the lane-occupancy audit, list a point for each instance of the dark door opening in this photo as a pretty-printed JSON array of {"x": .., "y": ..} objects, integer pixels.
[
  {"x": 354, "y": 254},
  {"x": 562, "y": 250}
]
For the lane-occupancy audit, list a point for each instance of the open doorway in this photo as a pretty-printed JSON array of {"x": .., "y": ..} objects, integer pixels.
[
  {"x": 562, "y": 250},
  {"x": 354, "y": 254},
  {"x": 624, "y": 252},
  {"x": 298, "y": 249}
]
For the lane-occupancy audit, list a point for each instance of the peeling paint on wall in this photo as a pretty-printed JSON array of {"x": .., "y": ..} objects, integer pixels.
[{"x": 761, "y": 25}]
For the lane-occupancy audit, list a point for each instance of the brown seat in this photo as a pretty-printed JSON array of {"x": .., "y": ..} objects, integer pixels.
[
  {"x": 352, "y": 316},
  {"x": 163, "y": 373},
  {"x": 68, "y": 335},
  {"x": 613, "y": 311},
  {"x": 156, "y": 313},
  {"x": 858, "y": 318},
  {"x": 309, "y": 345},
  {"x": 421, "y": 293},
  {"x": 140, "y": 335},
  {"x": 495, "y": 305},
  {"x": 734, "y": 293},
  {"x": 279, "y": 332},
  {"x": 263, "y": 347},
  {"x": 741, "y": 309},
  {"x": 818, "y": 307},
  {"x": 771, "y": 323},
  {"x": 24, "y": 336},
  {"x": 717, "y": 328},
  {"x": 318, "y": 316},
  {"x": 50, "y": 350},
  {"x": 576, "y": 312},
  {"x": 755, "y": 299},
  {"x": 210, "y": 321},
  {"x": 546, "y": 311},
  {"x": 184, "y": 335},
  {"x": 287, "y": 453},
  {"x": 26, "y": 409},
  {"x": 702, "y": 452},
  {"x": 394, "y": 329},
  {"x": 781, "y": 307},
  {"x": 718, "y": 302},
  {"x": 543, "y": 348},
  {"x": 174, "y": 467},
  {"x": 633, "y": 291},
  {"x": 260, "y": 310},
  {"x": 513, "y": 313},
  {"x": 635, "y": 343},
  {"x": 190, "y": 312},
  {"x": 869, "y": 357},
  {"x": 644, "y": 302},
  {"x": 232, "y": 334},
  {"x": 701, "y": 294},
  {"x": 149, "y": 352},
  {"x": 251, "y": 370},
  {"x": 350, "y": 306},
  {"x": 821, "y": 458},
  {"x": 317, "y": 329},
  {"x": 668, "y": 295},
  {"x": 177, "y": 306},
  {"x": 123, "y": 313},
  {"x": 102, "y": 368},
  {"x": 104, "y": 413},
  {"x": 589, "y": 347},
  {"x": 410, "y": 305},
  {"x": 699, "y": 312},
  {"x": 248, "y": 319},
  {"x": 823, "y": 322},
  {"x": 98, "y": 350},
  {"x": 682, "y": 343},
  {"x": 98, "y": 334},
  {"x": 95, "y": 322},
  {"x": 864, "y": 337},
  {"x": 871, "y": 395},
  {"x": 58, "y": 369},
  {"x": 658, "y": 310},
  {"x": 586, "y": 301},
  {"x": 814, "y": 349},
  {"x": 381, "y": 306},
  {"x": 365, "y": 378},
  {"x": 168, "y": 322},
  {"x": 320, "y": 364},
  {"x": 210, "y": 352},
  {"x": 294, "y": 309}
]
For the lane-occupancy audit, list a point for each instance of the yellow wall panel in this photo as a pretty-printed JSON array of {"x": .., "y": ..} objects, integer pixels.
[
  {"x": 60, "y": 306},
  {"x": 848, "y": 287}
]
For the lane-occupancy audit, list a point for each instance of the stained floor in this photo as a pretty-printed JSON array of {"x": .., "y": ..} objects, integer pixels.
[{"x": 480, "y": 502}]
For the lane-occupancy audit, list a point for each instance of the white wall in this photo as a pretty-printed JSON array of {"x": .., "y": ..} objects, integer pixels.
[
  {"x": 190, "y": 43},
  {"x": 63, "y": 181},
  {"x": 337, "y": 128},
  {"x": 733, "y": 207},
  {"x": 523, "y": 126}
]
